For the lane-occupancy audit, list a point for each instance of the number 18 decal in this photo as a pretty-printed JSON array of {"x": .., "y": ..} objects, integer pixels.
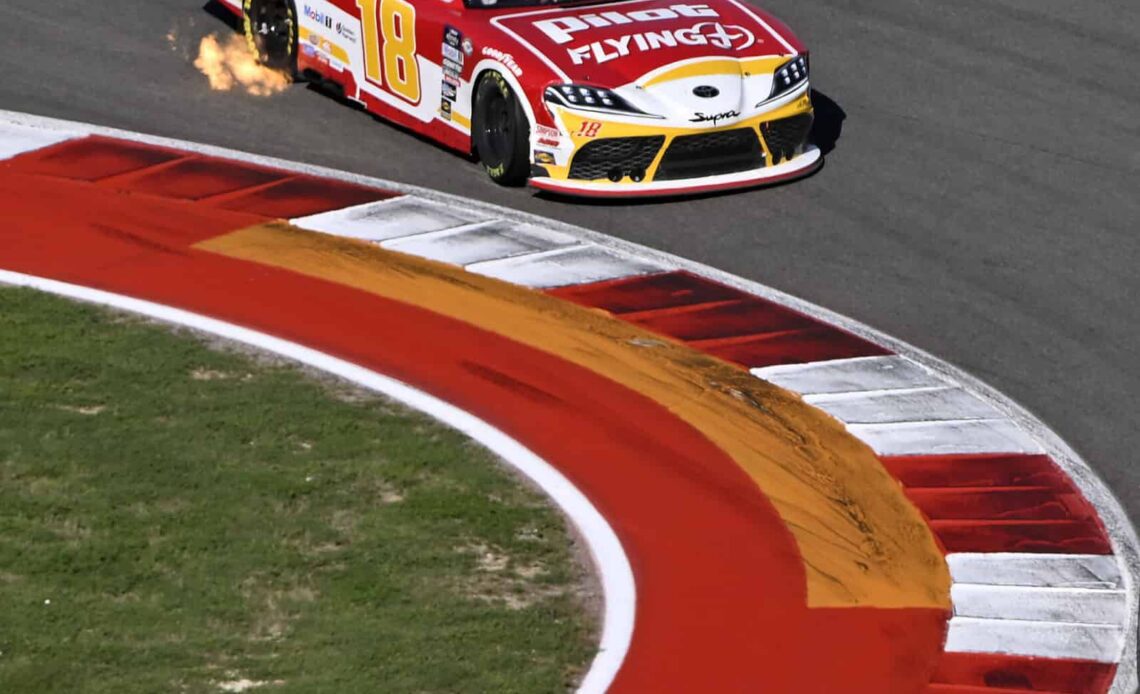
[{"x": 389, "y": 28}]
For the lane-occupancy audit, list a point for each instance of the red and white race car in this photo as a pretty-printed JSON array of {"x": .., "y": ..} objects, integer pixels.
[{"x": 630, "y": 97}]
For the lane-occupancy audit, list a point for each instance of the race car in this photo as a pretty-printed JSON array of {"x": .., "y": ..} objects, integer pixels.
[{"x": 618, "y": 98}]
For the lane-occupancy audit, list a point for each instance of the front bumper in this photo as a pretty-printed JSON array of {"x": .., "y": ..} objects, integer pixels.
[
  {"x": 797, "y": 167},
  {"x": 623, "y": 158}
]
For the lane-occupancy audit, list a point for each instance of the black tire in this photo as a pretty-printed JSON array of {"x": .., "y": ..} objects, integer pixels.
[
  {"x": 501, "y": 131},
  {"x": 271, "y": 31}
]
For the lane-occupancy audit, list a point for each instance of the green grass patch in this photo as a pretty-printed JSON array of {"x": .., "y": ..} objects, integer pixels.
[{"x": 178, "y": 517}]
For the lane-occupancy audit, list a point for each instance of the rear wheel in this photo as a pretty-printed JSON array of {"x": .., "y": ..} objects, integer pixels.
[
  {"x": 501, "y": 131},
  {"x": 271, "y": 30}
]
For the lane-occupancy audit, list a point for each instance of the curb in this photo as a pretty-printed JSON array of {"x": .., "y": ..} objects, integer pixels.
[{"x": 641, "y": 261}]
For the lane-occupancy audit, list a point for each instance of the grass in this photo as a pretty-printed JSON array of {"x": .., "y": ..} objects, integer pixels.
[{"x": 178, "y": 517}]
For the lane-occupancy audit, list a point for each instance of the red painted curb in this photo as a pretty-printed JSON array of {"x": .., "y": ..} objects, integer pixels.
[{"x": 721, "y": 604}]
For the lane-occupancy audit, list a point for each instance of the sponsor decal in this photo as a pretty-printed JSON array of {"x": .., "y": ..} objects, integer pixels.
[
  {"x": 547, "y": 131},
  {"x": 714, "y": 118},
  {"x": 452, "y": 36},
  {"x": 346, "y": 32},
  {"x": 468, "y": 47},
  {"x": 322, "y": 49},
  {"x": 561, "y": 30},
  {"x": 505, "y": 58},
  {"x": 452, "y": 53},
  {"x": 541, "y": 157},
  {"x": 589, "y": 128},
  {"x": 452, "y": 68},
  {"x": 726, "y": 36},
  {"x": 548, "y": 136},
  {"x": 642, "y": 36},
  {"x": 319, "y": 17}
]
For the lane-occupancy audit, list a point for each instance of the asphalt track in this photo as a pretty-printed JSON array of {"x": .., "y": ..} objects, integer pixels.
[{"x": 980, "y": 200}]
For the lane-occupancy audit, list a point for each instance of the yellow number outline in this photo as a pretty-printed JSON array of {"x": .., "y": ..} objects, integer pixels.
[{"x": 389, "y": 32}]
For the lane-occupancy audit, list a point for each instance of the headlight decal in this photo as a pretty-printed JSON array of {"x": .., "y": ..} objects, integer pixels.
[
  {"x": 789, "y": 76},
  {"x": 588, "y": 98}
]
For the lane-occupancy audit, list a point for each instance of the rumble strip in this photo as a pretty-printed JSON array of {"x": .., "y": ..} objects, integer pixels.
[{"x": 1041, "y": 559}]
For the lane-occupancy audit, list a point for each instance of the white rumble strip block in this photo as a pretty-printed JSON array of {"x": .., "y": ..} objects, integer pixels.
[
  {"x": 481, "y": 242},
  {"x": 1031, "y": 638},
  {"x": 1044, "y": 570},
  {"x": 904, "y": 405},
  {"x": 389, "y": 219},
  {"x": 516, "y": 252},
  {"x": 16, "y": 139},
  {"x": 945, "y": 437},
  {"x": 1077, "y": 605},
  {"x": 562, "y": 267},
  {"x": 1045, "y": 605},
  {"x": 858, "y": 375}
]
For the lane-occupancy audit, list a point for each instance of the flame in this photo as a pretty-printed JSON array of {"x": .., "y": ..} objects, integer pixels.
[{"x": 231, "y": 64}]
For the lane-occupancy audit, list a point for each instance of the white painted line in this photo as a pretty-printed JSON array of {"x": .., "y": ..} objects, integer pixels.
[
  {"x": 1018, "y": 569},
  {"x": 481, "y": 242},
  {"x": 388, "y": 219},
  {"x": 945, "y": 437},
  {"x": 850, "y": 375},
  {"x": 909, "y": 405},
  {"x": 576, "y": 265},
  {"x": 1079, "y": 605},
  {"x": 609, "y": 557},
  {"x": 1041, "y": 639},
  {"x": 17, "y": 139}
]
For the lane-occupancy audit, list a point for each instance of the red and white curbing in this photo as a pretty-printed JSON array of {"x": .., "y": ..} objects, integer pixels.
[
  {"x": 1033, "y": 604},
  {"x": 910, "y": 408}
]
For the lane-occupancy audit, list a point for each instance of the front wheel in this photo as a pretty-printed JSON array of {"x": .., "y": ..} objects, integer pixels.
[
  {"x": 501, "y": 131},
  {"x": 271, "y": 31}
]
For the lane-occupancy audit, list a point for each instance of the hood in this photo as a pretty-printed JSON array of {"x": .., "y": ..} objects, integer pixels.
[{"x": 619, "y": 43}]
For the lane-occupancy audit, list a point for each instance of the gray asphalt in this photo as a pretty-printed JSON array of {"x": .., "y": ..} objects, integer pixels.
[{"x": 981, "y": 201}]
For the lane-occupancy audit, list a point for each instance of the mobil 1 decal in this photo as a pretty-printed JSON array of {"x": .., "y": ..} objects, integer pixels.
[{"x": 655, "y": 32}]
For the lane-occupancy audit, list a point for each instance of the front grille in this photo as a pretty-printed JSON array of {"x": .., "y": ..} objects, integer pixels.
[
  {"x": 709, "y": 154},
  {"x": 598, "y": 158},
  {"x": 786, "y": 137}
]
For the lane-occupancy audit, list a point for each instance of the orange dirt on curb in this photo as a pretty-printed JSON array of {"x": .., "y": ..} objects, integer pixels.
[{"x": 862, "y": 543}]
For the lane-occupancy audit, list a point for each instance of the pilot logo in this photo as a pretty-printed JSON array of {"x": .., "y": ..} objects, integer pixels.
[
  {"x": 729, "y": 37},
  {"x": 706, "y": 91},
  {"x": 725, "y": 36}
]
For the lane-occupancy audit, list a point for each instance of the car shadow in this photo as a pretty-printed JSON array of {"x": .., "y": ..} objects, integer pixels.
[{"x": 828, "y": 125}]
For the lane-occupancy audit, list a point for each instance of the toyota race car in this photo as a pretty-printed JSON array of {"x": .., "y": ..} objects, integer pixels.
[{"x": 628, "y": 97}]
